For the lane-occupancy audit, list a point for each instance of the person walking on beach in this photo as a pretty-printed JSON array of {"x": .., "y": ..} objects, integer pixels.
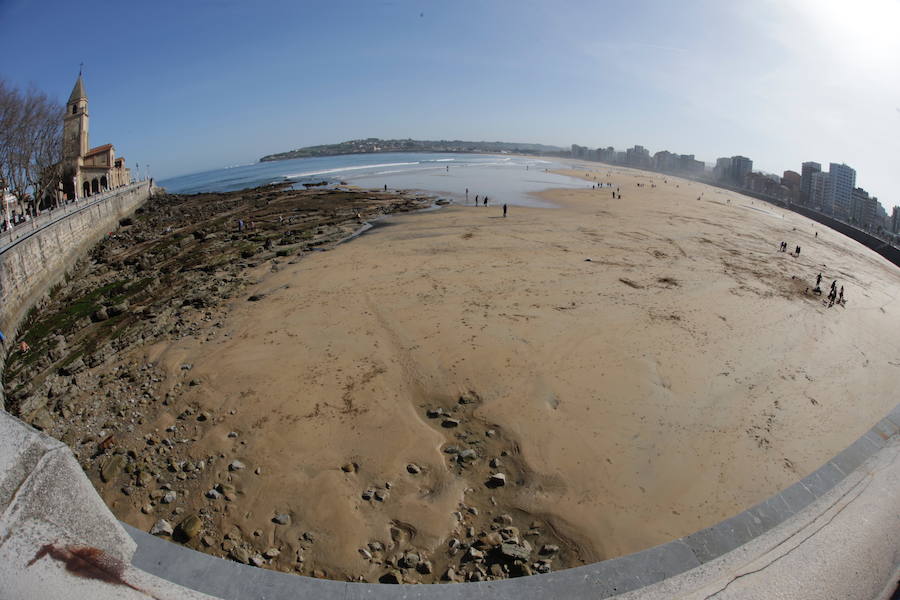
[
  {"x": 841, "y": 296},
  {"x": 818, "y": 280},
  {"x": 476, "y": 199},
  {"x": 485, "y": 200},
  {"x": 504, "y": 216},
  {"x": 798, "y": 251},
  {"x": 385, "y": 187}
]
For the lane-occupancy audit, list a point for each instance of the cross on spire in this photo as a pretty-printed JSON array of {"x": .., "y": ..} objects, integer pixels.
[{"x": 80, "y": 68}]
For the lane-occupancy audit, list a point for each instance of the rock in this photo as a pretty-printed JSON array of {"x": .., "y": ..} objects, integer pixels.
[
  {"x": 392, "y": 576},
  {"x": 496, "y": 480},
  {"x": 169, "y": 497},
  {"x": 490, "y": 433},
  {"x": 514, "y": 551},
  {"x": 451, "y": 450},
  {"x": 257, "y": 560},
  {"x": 367, "y": 495},
  {"x": 449, "y": 575},
  {"x": 147, "y": 509},
  {"x": 271, "y": 553},
  {"x": 112, "y": 467},
  {"x": 475, "y": 554},
  {"x": 495, "y": 463},
  {"x": 99, "y": 315},
  {"x": 413, "y": 468},
  {"x": 282, "y": 519},
  {"x": 409, "y": 560},
  {"x": 240, "y": 555},
  {"x": 449, "y": 423},
  {"x": 236, "y": 465},
  {"x": 76, "y": 366},
  {"x": 549, "y": 549},
  {"x": 162, "y": 527},
  {"x": 380, "y": 496},
  {"x": 425, "y": 567},
  {"x": 492, "y": 540},
  {"x": 232, "y": 434},
  {"x": 434, "y": 413},
  {"x": 350, "y": 467},
  {"x": 144, "y": 479},
  {"x": 503, "y": 519},
  {"x": 208, "y": 541},
  {"x": 117, "y": 309},
  {"x": 467, "y": 454},
  {"x": 213, "y": 494},
  {"x": 190, "y": 526}
]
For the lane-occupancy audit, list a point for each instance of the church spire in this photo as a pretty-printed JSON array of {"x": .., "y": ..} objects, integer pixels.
[{"x": 78, "y": 91}]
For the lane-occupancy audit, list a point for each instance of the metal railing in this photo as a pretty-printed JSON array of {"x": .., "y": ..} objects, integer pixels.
[{"x": 22, "y": 231}]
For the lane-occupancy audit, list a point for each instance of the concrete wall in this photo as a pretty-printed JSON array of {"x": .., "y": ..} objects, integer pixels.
[{"x": 32, "y": 263}]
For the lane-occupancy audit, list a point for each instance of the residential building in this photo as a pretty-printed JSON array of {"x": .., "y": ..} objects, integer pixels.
[
  {"x": 817, "y": 187},
  {"x": 839, "y": 191},
  {"x": 741, "y": 166},
  {"x": 895, "y": 220},
  {"x": 806, "y": 173},
  {"x": 722, "y": 170}
]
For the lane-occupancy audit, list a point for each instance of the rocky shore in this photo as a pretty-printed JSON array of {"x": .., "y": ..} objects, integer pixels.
[{"x": 169, "y": 273}]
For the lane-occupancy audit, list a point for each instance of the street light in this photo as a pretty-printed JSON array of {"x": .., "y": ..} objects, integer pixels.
[{"x": 5, "y": 203}]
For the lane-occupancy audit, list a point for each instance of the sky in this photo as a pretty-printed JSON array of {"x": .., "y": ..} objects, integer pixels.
[{"x": 191, "y": 86}]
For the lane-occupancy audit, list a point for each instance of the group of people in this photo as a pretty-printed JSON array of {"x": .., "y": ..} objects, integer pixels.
[
  {"x": 835, "y": 295},
  {"x": 484, "y": 202},
  {"x": 783, "y": 248}
]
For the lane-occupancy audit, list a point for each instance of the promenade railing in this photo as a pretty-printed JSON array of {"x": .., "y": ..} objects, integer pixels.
[{"x": 17, "y": 233}]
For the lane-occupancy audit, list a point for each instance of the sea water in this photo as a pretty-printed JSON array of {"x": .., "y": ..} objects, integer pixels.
[{"x": 504, "y": 179}]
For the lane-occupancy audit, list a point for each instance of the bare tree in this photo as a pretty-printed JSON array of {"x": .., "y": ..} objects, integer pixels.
[{"x": 30, "y": 144}]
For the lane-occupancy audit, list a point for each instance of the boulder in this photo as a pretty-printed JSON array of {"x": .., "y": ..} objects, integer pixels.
[{"x": 190, "y": 526}]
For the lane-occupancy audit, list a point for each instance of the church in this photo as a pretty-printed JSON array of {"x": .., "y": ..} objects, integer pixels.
[{"x": 87, "y": 171}]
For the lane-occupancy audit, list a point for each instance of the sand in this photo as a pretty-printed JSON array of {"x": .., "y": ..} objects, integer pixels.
[{"x": 649, "y": 365}]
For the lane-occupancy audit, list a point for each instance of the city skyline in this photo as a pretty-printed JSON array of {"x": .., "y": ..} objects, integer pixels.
[{"x": 219, "y": 84}]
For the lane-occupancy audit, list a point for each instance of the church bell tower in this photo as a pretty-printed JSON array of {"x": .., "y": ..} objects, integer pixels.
[{"x": 75, "y": 126}]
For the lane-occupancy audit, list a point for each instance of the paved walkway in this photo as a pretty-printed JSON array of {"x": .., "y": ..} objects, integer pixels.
[{"x": 16, "y": 234}]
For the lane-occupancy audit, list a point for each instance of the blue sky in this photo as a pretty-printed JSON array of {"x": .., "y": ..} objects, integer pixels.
[{"x": 190, "y": 86}]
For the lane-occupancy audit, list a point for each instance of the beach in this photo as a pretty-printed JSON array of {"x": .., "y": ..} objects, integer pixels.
[{"x": 635, "y": 368}]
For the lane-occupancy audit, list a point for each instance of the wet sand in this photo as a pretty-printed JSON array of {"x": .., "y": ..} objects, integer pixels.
[{"x": 675, "y": 378}]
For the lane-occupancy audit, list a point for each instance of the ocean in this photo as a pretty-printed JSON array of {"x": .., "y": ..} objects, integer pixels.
[{"x": 504, "y": 179}]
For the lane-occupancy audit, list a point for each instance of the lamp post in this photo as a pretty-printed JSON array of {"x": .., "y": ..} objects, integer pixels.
[{"x": 5, "y": 203}]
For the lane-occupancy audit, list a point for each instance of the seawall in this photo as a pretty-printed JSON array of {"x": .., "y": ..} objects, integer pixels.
[{"x": 38, "y": 256}]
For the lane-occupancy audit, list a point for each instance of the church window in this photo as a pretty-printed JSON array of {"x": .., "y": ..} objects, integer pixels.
[{"x": 74, "y": 108}]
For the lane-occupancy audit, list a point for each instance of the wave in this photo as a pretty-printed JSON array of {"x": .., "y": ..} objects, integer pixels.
[{"x": 342, "y": 169}]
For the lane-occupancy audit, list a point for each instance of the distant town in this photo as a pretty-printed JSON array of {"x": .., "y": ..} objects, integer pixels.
[{"x": 833, "y": 192}]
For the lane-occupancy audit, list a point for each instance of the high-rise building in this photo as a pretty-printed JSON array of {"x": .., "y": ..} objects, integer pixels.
[
  {"x": 638, "y": 156},
  {"x": 722, "y": 170},
  {"x": 839, "y": 191},
  {"x": 741, "y": 166},
  {"x": 895, "y": 220},
  {"x": 806, "y": 173},
  {"x": 817, "y": 187},
  {"x": 861, "y": 210}
]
